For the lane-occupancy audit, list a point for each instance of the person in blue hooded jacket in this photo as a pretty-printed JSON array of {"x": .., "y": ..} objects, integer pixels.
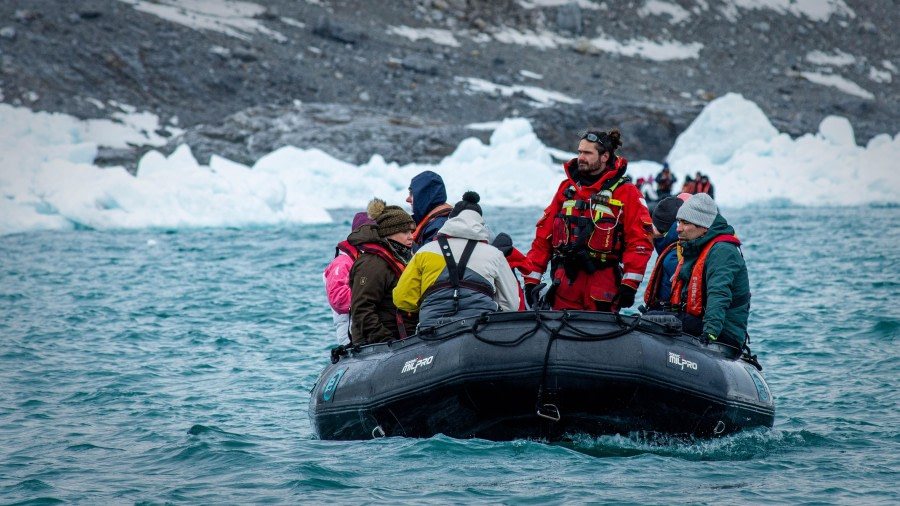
[
  {"x": 665, "y": 239},
  {"x": 428, "y": 200}
]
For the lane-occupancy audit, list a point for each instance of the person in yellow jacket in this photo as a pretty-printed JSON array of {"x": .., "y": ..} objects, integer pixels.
[{"x": 458, "y": 275}]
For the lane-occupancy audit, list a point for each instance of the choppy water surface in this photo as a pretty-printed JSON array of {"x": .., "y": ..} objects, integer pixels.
[{"x": 174, "y": 366}]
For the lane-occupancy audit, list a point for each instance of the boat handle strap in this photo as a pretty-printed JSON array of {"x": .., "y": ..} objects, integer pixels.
[{"x": 550, "y": 412}]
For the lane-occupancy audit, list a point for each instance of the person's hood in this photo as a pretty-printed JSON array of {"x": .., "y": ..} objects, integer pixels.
[
  {"x": 428, "y": 192},
  {"x": 365, "y": 234},
  {"x": 466, "y": 225},
  {"x": 718, "y": 227}
]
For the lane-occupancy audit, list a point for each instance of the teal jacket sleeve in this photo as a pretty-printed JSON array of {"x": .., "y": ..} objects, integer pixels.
[{"x": 722, "y": 268}]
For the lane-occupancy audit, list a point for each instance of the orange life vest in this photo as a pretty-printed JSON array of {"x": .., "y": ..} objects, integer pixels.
[
  {"x": 695, "y": 289},
  {"x": 439, "y": 211},
  {"x": 702, "y": 187},
  {"x": 651, "y": 294}
]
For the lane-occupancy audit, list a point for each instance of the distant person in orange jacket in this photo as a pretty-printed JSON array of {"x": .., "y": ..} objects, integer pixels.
[
  {"x": 689, "y": 185},
  {"x": 704, "y": 186},
  {"x": 664, "y": 182}
]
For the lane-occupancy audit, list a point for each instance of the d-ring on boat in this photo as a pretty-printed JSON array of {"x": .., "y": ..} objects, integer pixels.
[{"x": 544, "y": 375}]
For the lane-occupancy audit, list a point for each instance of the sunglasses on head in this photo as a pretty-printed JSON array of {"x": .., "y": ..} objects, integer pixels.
[{"x": 592, "y": 137}]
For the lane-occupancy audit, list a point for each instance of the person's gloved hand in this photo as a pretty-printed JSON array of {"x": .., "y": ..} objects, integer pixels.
[
  {"x": 624, "y": 297},
  {"x": 533, "y": 293}
]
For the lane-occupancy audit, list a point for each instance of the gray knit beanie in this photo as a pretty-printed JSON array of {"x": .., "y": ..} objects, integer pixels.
[{"x": 700, "y": 210}]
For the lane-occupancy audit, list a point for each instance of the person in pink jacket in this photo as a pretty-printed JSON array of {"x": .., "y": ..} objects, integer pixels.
[{"x": 337, "y": 286}]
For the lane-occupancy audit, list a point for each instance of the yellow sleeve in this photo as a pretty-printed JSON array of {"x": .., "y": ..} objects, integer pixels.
[
  {"x": 409, "y": 287},
  {"x": 422, "y": 271}
]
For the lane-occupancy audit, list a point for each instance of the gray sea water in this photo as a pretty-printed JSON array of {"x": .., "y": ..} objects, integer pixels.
[{"x": 173, "y": 367}]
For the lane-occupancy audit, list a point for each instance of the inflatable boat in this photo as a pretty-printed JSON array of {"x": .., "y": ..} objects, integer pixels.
[{"x": 543, "y": 375}]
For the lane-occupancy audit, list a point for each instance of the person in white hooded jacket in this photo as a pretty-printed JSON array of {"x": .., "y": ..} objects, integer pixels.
[{"x": 459, "y": 275}]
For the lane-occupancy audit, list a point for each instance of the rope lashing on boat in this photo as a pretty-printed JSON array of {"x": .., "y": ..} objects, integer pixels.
[
  {"x": 548, "y": 411},
  {"x": 538, "y": 324},
  {"x": 428, "y": 334},
  {"x": 748, "y": 356},
  {"x": 581, "y": 335},
  {"x": 551, "y": 411}
]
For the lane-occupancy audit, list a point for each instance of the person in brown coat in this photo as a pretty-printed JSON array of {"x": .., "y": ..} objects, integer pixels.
[{"x": 385, "y": 249}]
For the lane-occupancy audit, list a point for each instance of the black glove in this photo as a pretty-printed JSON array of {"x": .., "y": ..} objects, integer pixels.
[
  {"x": 624, "y": 297},
  {"x": 533, "y": 293}
]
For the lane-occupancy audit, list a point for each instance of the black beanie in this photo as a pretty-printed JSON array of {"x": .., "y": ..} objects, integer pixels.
[
  {"x": 469, "y": 201},
  {"x": 664, "y": 213},
  {"x": 504, "y": 243}
]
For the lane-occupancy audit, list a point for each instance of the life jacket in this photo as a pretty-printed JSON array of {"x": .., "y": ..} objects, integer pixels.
[
  {"x": 592, "y": 226},
  {"x": 689, "y": 187},
  {"x": 397, "y": 266},
  {"x": 347, "y": 248},
  {"x": 702, "y": 187},
  {"x": 380, "y": 251},
  {"x": 693, "y": 305},
  {"x": 651, "y": 294},
  {"x": 437, "y": 212}
]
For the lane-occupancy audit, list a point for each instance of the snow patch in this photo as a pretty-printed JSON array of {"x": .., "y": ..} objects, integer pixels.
[
  {"x": 438, "y": 36},
  {"x": 538, "y": 4},
  {"x": 841, "y": 83},
  {"x": 643, "y": 48},
  {"x": 838, "y": 59},
  {"x": 531, "y": 75},
  {"x": 676, "y": 13},
  {"x": 539, "y": 95},
  {"x": 880, "y": 76},
  {"x": 540, "y": 40},
  {"x": 815, "y": 10},
  {"x": 233, "y": 18}
]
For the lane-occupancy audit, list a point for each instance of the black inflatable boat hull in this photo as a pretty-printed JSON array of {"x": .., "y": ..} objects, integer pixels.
[{"x": 502, "y": 381}]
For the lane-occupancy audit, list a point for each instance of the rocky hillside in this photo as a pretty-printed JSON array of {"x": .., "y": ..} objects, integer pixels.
[{"x": 403, "y": 78}]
